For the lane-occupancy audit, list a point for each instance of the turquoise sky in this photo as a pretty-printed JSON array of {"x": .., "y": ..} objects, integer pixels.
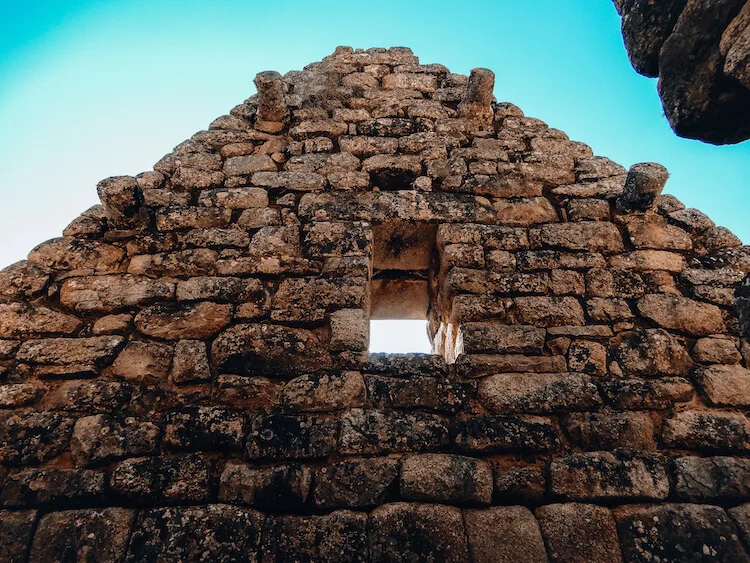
[{"x": 94, "y": 89}]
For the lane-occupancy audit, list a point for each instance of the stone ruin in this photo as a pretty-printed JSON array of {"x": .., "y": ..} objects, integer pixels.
[
  {"x": 185, "y": 373},
  {"x": 700, "y": 51}
]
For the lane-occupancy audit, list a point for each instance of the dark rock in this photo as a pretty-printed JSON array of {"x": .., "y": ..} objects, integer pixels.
[
  {"x": 377, "y": 432},
  {"x": 215, "y": 532},
  {"x": 31, "y": 438},
  {"x": 537, "y": 392},
  {"x": 712, "y": 478},
  {"x": 16, "y": 528},
  {"x": 604, "y": 475},
  {"x": 609, "y": 431},
  {"x": 646, "y": 393},
  {"x": 677, "y": 532},
  {"x": 496, "y": 434},
  {"x": 89, "y": 535},
  {"x": 292, "y": 437},
  {"x": 101, "y": 438},
  {"x": 707, "y": 430},
  {"x": 162, "y": 479},
  {"x": 205, "y": 428},
  {"x": 518, "y": 482},
  {"x": 417, "y": 532},
  {"x": 649, "y": 353},
  {"x": 280, "y": 488},
  {"x": 339, "y": 536},
  {"x": 355, "y": 483},
  {"x": 35, "y": 487}
]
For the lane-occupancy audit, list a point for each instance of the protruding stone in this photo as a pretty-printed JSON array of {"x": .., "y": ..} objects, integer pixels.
[
  {"x": 123, "y": 200},
  {"x": 477, "y": 102},
  {"x": 643, "y": 186},
  {"x": 271, "y": 103}
]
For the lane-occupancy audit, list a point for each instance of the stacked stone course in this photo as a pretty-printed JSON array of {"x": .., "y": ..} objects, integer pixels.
[{"x": 184, "y": 375}]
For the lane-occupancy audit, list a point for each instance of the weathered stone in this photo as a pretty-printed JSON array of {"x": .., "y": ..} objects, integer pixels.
[
  {"x": 276, "y": 488},
  {"x": 31, "y": 438},
  {"x": 305, "y": 299},
  {"x": 336, "y": 537},
  {"x": 435, "y": 393},
  {"x": 613, "y": 283},
  {"x": 605, "y": 475},
  {"x": 594, "y": 236},
  {"x": 249, "y": 164},
  {"x": 16, "y": 529},
  {"x": 376, "y": 431},
  {"x": 548, "y": 311},
  {"x": 677, "y": 532},
  {"x": 654, "y": 232},
  {"x": 161, "y": 479},
  {"x": 725, "y": 385},
  {"x": 190, "y": 362},
  {"x": 525, "y": 211},
  {"x": 111, "y": 293},
  {"x": 712, "y": 478},
  {"x": 680, "y": 313},
  {"x": 122, "y": 199},
  {"x": 471, "y": 365},
  {"x": 174, "y": 218},
  {"x": 204, "y": 428},
  {"x": 26, "y": 320},
  {"x": 92, "y": 396},
  {"x": 537, "y": 392},
  {"x": 67, "y": 253},
  {"x": 319, "y": 128},
  {"x": 102, "y": 438},
  {"x": 579, "y": 533},
  {"x": 707, "y": 430},
  {"x": 292, "y": 437},
  {"x": 35, "y": 487},
  {"x": 234, "y": 198},
  {"x": 517, "y": 482},
  {"x": 609, "y": 431},
  {"x": 96, "y": 535},
  {"x": 494, "y": 337},
  {"x": 355, "y": 483},
  {"x": 215, "y": 532},
  {"x": 350, "y": 330},
  {"x": 413, "y": 532},
  {"x": 644, "y": 260},
  {"x": 741, "y": 517},
  {"x": 23, "y": 280},
  {"x": 716, "y": 351},
  {"x": 202, "y": 320},
  {"x": 300, "y": 181},
  {"x": 446, "y": 478},
  {"x": 321, "y": 392},
  {"x": 504, "y": 534},
  {"x": 644, "y": 184},
  {"x": 269, "y": 350},
  {"x": 498, "y": 434},
  {"x": 143, "y": 362},
  {"x": 194, "y": 262},
  {"x": 271, "y": 104},
  {"x": 95, "y": 351},
  {"x": 587, "y": 357},
  {"x": 649, "y": 353}
]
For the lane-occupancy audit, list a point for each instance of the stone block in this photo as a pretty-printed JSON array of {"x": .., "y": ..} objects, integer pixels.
[
  {"x": 494, "y": 337},
  {"x": 190, "y": 362},
  {"x": 350, "y": 330},
  {"x": 184, "y": 322},
  {"x": 20, "y": 320},
  {"x": 214, "y": 532},
  {"x": 548, "y": 311},
  {"x": 355, "y": 483},
  {"x": 143, "y": 362},
  {"x": 277, "y": 488},
  {"x": 725, "y": 385},
  {"x": 99, "y": 535},
  {"x": 375, "y": 432},
  {"x": 504, "y": 534},
  {"x": 707, "y": 430},
  {"x": 646, "y": 394},
  {"x": 450, "y": 479},
  {"x": 537, "y": 392},
  {"x": 401, "y": 532},
  {"x": 16, "y": 529},
  {"x": 682, "y": 314},
  {"x": 101, "y": 438},
  {"x": 612, "y": 476},
  {"x": 39, "y": 487},
  {"x": 322, "y": 392},
  {"x": 579, "y": 533},
  {"x": 609, "y": 431},
  {"x": 504, "y": 434},
  {"x": 183, "y": 479},
  {"x": 708, "y": 479},
  {"x": 23, "y": 280},
  {"x": 292, "y": 437},
  {"x": 204, "y": 428},
  {"x": 594, "y": 236},
  {"x": 650, "y": 352},
  {"x": 34, "y": 437}
]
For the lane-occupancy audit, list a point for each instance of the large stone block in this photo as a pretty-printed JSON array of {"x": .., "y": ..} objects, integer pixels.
[
  {"x": 292, "y": 437},
  {"x": 269, "y": 350},
  {"x": 183, "y": 479},
  {"x": 683, "y": 314},
  {"x": 355, "y": 483},
  {"x": 39, "y": 487},
  {"x": 495, "y": 337},
  {"x": 417, "y": 532},
  {"x": 538, "y": 392},
  {"x": 16, "y": 529},
  {"x": 611, "y": 430},
  {"x": 712, "y": 478},
  {"x": 725, "y": 385},
  {"x": 707, "y": 430},
  {"x": 96, "y": 535},
  {"x": 504, "y": 534},
  {"x": 31, "y": 438},
  {"x": 23, "y": 280},
  {"x": 309, "y": 299},
  {"x": 111, "y": 293},
  {"x": 649, "y": 353},
  {"x": 337, "y": 537},
  {"x": 214, "y": 532},
  {"x": 377, "y": 432},
  {"x": 605, "y": 475},
  {"x": 451, "y": 479},
  {"x": 595, "y": 236},
  {"x": 646, "y": 394},
  {"x": 101, "y": 438},
  {"x": 677, "y": 532},
  {"x": 277, "y": 488},
  {"x": 500, "y": 434},
  {"x": 198, "y": 321},
  {"x": 579, "y": 533},
  {"x": 20, "y": 320},
  {"x": 205, "y": 428},
  {"x": 322, "y": 391}
]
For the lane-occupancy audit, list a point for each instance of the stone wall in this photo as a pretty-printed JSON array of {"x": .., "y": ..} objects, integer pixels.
[
  {"x": 185, "y": 373},
  {"x": 700, "y": 51}
]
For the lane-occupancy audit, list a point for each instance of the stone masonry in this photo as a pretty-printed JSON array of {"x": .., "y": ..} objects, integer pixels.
[{"x": 184, "y": 374}]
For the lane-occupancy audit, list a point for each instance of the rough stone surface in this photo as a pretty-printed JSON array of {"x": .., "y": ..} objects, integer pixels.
[{"x": 202, "y": 338}]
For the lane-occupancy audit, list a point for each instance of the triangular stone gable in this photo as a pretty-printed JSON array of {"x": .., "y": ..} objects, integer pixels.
[{"x": 185, "y": 372}]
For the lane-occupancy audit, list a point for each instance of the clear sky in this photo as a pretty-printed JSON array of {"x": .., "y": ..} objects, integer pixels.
[{"x": 90, "y": 89}]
